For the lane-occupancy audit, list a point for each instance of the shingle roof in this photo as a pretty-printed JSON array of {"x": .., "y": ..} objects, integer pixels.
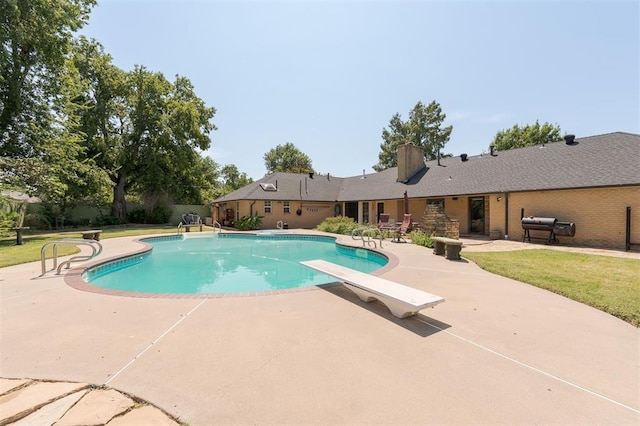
[
  {"x": 611, "y": 159},
  {"x": 291, "y": 186}
]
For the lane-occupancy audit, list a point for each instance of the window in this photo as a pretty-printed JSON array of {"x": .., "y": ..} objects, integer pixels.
[
  {"x": 286, "y": 207},
  {"x": 267, "y": 206}
]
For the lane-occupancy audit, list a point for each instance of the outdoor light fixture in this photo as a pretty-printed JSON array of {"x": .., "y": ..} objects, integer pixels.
[{"x": 499, "y": 199}]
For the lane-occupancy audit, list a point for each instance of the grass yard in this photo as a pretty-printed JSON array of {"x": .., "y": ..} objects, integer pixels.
[
  {"x": 610, "y": 284},
  {"x": 12, "y": 254}
]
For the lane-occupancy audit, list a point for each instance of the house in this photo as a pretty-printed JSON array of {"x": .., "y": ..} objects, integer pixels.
[{"x": 592, "y": 182}]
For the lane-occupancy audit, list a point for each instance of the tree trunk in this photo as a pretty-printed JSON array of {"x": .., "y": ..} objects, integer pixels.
[{"x": 119, "y": 207}]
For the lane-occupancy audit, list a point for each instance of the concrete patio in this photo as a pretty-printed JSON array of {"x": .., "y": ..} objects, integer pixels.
[{"x": 496, "y": 352}]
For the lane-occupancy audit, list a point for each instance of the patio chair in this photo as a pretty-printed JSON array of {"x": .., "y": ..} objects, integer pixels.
[
  {"x": 407, "y": 224},
  {"x": 383, "y": 223},
  {"x": 405, "y": 227}
]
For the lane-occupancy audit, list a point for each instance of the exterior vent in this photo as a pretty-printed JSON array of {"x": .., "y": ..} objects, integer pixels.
[
  {"x": 463, "y": 157},
  {"x": 570, "y": 139}
]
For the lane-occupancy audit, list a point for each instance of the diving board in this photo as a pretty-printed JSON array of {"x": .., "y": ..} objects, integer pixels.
[{"x": 402, "y": 301}]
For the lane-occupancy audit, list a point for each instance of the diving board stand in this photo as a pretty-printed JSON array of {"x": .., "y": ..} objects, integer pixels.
[{"x": 402, "y": 301}]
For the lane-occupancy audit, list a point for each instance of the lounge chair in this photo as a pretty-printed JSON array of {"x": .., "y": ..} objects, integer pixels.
[
  {"x": 407, "y": 224},
  {"x": 383, "y": 223}
]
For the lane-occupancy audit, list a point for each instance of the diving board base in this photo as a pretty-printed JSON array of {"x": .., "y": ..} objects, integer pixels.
[{"x": 402, "y": 301}]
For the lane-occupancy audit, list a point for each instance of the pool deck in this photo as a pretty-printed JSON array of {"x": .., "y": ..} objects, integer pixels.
[{"x": 496, "y": 352}]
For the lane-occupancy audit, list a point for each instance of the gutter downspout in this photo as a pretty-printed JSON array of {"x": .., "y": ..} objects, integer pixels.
[
  {"x": 506, "y": 215},
  {"x": 251, "y": 208}
]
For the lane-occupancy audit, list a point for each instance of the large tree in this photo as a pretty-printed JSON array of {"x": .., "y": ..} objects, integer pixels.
[
  {"x": 35, "y": 38},
  {"x": 39, "y": 150},
  {"x": 287, "y": 158},
  {"x": 423, "y": 128},
  {"x": 527, "y": 135},
  {"x": 233, "y": 179},
  {"x": 146, "y": 131}
]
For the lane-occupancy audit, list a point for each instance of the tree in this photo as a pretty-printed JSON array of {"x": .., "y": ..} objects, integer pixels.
[
  {"x": 528, "y": 135},
  {"x": 35, "y": 38},
  {"x": 39, "y": 151},
  {"x": 144, "y": 130},
  {"x": 287, "y": 158},
  {"x": 233, "y": 179},
  {"x": 423, "y": 128}
]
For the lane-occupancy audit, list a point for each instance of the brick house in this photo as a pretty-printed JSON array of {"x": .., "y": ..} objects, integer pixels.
[{"x": 593, "y": 182}]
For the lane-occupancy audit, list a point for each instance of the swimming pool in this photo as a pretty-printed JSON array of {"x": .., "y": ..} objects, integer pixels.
[{"x": 229, "y": 263}]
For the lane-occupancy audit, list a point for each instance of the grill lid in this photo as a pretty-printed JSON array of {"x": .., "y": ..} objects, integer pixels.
[{"x": 532, "y": 222}]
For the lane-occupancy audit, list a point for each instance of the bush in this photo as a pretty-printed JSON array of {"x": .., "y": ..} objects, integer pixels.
[
  {"x": 249, "y": 223},
  {"x": 138, "y": 215},
  {"x": 160, "y": 214},
  {"x": 420, "y": 238},
  {"x": 338, "y": 225},
  {"x": 105, "y": 220}
]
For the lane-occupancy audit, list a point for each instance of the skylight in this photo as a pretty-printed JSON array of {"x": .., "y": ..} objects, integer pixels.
[{"x": 268, "y": 187}]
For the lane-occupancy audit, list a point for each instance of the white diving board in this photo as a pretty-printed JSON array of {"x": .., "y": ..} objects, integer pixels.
[{"x": 402, "y": 301}]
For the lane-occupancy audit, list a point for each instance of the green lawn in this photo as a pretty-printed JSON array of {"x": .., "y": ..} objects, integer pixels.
[
  {"x": 610, "y": 284},
  {"x": 12, "y": 254}
]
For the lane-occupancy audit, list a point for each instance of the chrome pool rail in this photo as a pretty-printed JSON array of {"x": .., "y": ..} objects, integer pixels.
[
  {"x": 96, "y": 248},
  {"x": 367, "y": 234}
]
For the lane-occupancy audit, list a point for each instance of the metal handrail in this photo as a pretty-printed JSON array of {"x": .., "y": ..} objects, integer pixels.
[
  {"x": 179, "y": 231},
  {"x": 367, "y": 233},
  {"x": 360, "y": 229},
  {"x": 72, "y": 241},
  {"x": 364, "y": 233},
  {"x": 217, "y": 224}
]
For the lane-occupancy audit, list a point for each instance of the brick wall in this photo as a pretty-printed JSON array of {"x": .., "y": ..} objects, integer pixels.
[{"x": 599, "y": 214}]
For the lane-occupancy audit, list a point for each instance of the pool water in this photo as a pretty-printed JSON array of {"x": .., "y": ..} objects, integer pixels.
[{"x": 229, "y": 264}]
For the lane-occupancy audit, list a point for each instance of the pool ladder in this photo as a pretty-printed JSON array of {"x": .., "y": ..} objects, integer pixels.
[
  {"x": 96, "y": 249},
  {"x": 367, "y": 234}
]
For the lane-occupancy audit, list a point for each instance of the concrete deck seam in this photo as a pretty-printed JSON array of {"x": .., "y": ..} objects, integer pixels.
[
  {"x": 117, "y": 373},
  {"x": 530, "y": 367},
  {"x": 448, "y": 271}
]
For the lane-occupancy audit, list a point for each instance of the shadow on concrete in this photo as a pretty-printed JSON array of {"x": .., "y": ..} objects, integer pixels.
[{"x": 419, "y": 324}]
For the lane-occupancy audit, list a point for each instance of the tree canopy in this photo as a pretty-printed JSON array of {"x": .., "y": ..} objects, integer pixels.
[
  {"x": 39, "y": 150},
  {"x": 287, "y": 158},
  {"x": 233, "y": 179},
  {"x": 76, "y": 128},
  {"x": 423, "y": 128},
  {"x": 144, "y": 130},
  {"x": 527, "y": 135}
]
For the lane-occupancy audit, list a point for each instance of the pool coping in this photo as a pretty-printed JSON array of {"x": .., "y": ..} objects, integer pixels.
[{"x": 74, "y": 278}]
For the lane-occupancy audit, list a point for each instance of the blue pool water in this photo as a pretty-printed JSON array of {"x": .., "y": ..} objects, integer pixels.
[{"x": 229, "y": 263}]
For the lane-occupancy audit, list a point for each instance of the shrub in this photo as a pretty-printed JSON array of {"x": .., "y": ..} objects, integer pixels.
[
  {"x": 159, "y": 215},
  {"x": 249, "y": 223},
  {"x": 338, "y": 225},
  {"x": 420, "y": 238},
  {"x": 137, "y": 215},
  {"x": 105, "y": 220}
]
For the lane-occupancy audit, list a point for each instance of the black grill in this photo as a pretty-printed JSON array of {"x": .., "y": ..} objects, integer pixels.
[{"x": 546, "y": 224}]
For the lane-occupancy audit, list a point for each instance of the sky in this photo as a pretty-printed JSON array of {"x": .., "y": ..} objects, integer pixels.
[{"x": 328, "y": 75}]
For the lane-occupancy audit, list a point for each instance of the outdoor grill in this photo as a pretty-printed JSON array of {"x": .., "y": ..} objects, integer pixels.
[{"x": 546, "y": 224}]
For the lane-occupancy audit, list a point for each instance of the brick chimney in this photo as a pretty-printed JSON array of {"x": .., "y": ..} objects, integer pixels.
[{"x": 410, "y": 161}]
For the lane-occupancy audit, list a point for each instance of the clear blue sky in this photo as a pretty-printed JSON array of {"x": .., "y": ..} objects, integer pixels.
[{"x": 328, "y": 75}]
